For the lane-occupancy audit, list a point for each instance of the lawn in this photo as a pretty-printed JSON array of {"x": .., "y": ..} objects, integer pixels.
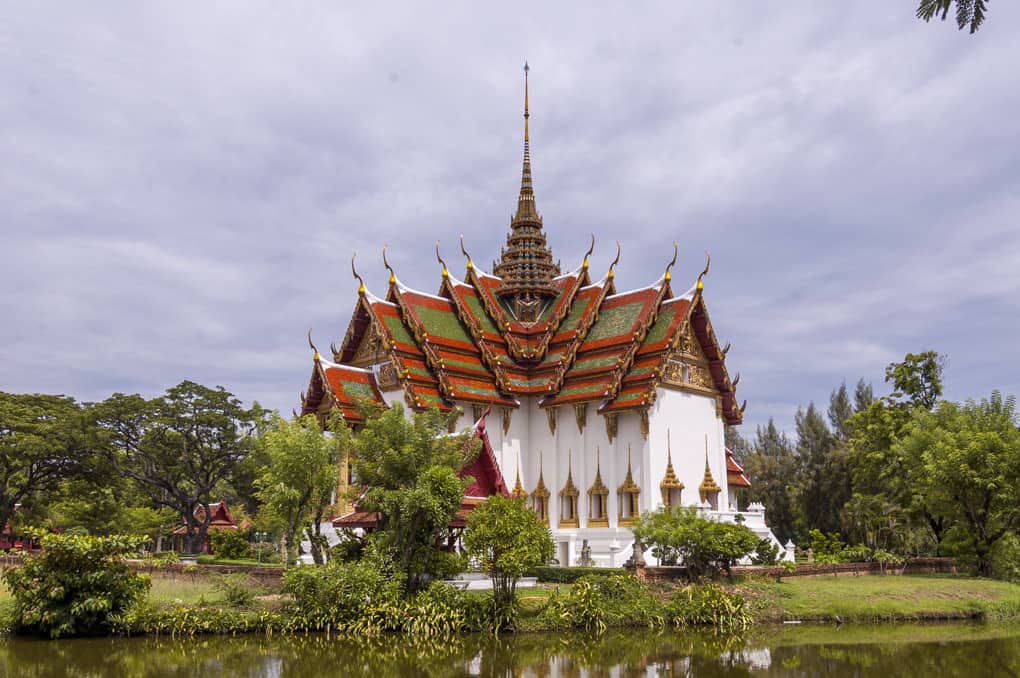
[{"x": 878, "y": 598}]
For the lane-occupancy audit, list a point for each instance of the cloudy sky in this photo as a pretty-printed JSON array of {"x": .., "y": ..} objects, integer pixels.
[{"x": 182, "y": 186}]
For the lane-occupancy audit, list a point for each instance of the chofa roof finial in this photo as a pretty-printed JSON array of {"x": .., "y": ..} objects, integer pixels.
[
  {"x": 615, "y": 261},
  {"x": 361, "y": 282},
  {"x": 393, "y": 276},
  {"x": 676, "y": 250},
  {"x": 439, "y": 257},
  {"x": 311, "y": 345},
  {"x": 708, "y": 264},
  {"x": 470, "y": 264},
  {"x": 587, "y": 254}
]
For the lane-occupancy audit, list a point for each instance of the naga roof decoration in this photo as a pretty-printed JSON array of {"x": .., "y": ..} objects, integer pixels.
[{"x": 527, "y": 330}]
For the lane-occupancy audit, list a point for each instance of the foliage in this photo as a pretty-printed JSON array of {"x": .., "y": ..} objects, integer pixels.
[
  {"x": 76, "y": 585},
  {"x": 568, "y": 575},
  {"x": 772, "y": 464},
  {"x": 708, "y": 604},
  {"x": 301, "y": 473},
  {"x": 340, "y": 595},
  {"x": 411, "y": 468},
  {"x": 825, "y": 545},
  {"x": 705, "y": 546},
  {"x": 41, "y": 444},
  {"x": 507, "y": 538},
  {"x": 969, "y": 13},
  {"x": 765, "y": 553},
  {"x": 823, "y": 482},
  {"x": 580, "y": 607},
  {"x": 177, "y": 447},
  {"x": 230, "y": 544},
  {"x": 918, "y": 379},
  {"x": 237, "y": 589},
  {"x": 965, "y": 459}
]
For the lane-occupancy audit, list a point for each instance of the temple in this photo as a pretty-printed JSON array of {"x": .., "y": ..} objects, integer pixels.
[{"x": 606, "y": 403}]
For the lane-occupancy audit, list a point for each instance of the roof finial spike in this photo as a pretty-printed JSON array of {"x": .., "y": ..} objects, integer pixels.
[
  {"x": 311, "y": 345},
  {"x": 361, "y": 282},
  {"x": 393, "y": 276},
  {"x": 470, "y": 264},
  {"x": 708, "y": 264},
  {"x": 439, "y": 257},
  {"x": 591, "y": 248},
  {"x": 526, "y": 114},
  {"x": 612, "y": 266},
  {"x": 676, "y": 251}
]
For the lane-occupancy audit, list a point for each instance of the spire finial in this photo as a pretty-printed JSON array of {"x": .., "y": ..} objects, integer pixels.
[
  {"x": 676, "y": 251},
  {"x": 361, "y": 283},
  {"x": 311, "y": 345},
  {"x": 526, "y": 69},
  {"x": 708, "y": 264},
  {"x": 439, "y": 257},
  {"x": 393, "y": 276},
  {"x": 464, "y": 251}
]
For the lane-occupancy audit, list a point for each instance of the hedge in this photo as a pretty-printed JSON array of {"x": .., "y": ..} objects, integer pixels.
[{"x": 568, "y": 575}]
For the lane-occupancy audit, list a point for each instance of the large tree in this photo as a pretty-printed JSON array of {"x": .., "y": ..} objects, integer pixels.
[
  {"x": 301, "y": 474},
  {"x": 508, "y": 539},
  {"x": 410, "y": 468},
  {"x": 966, "y": 461},
  {"x": 822, "y": 484},
  {"x": 41, "y": 444},
  {"x": 771, "y": 464},
  {"x": 879, "y": 465},
  {"x": 179, "y": 447}
]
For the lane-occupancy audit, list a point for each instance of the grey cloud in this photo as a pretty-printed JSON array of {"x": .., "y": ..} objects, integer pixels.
[{"x": 182, "y": 191}]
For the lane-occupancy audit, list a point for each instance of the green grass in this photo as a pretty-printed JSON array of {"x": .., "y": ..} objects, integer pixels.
[
  {"x": 184, "y": 588},
  {"x": 250, "y": 562},
  {"x": 877, "y": 598}
]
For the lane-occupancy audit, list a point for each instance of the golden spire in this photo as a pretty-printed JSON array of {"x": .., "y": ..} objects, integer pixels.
[
  {"x": 568, "y": 487},
  {"x": 670, "y": 480},
  {"x": 526, "y": 115},
  {"x": 540, "y": 488},
  {"x": 708, "y": 483},
  {"x": 598, "y": 485},
  {"x": 526, "y": 265},
  {"x": 628, "y": 482},
  {"x": 518, "y": 491}
]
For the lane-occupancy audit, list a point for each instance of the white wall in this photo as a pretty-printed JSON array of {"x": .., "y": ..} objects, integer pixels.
[{"x": 689, "y": 418}]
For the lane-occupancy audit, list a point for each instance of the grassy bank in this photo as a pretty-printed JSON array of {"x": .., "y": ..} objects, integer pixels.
[{"x": 876, "y": 598}]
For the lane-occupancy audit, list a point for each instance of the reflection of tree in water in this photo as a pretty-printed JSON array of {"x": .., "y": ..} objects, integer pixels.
[{"x": 627, "y": 653}]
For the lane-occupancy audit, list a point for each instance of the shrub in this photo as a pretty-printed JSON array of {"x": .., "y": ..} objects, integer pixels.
[
  {"x": 237, "y": 589},
  {"x": 76, "y": 585},
  {"x": 230, "y": 544},
  {"x": 705, "y": 546},
  {"x": 708, "y": 605},
  {"x": 765, "y": 553},
  {"x": 507, "y": 538},
  {"x": 342, "y": 595}
]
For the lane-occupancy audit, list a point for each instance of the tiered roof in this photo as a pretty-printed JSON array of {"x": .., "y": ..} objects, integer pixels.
[{"x": 525, "y": 330}]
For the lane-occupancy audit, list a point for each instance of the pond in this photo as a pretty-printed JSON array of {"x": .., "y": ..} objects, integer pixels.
[{"x": 809, "y": 650}]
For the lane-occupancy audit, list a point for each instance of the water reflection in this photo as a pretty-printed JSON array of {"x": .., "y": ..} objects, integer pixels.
[{"x": 890, "y": 650}]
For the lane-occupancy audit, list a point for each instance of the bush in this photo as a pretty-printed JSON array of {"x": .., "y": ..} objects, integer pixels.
[
  {"x": 595, "y": 602},
  {"x": 342, "y": 595},
  {"x": 230, "y": 544},
  {"x": 765, "y": 553},
  {"x": 708, "y": 605},
  {"x": 705, "y": 546},
  {"x": 237, "y": 589},
  {"x": 76, "y": 585},
  {"x": 568, "y": 575},
  {"x": 507, "y": 538}
]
